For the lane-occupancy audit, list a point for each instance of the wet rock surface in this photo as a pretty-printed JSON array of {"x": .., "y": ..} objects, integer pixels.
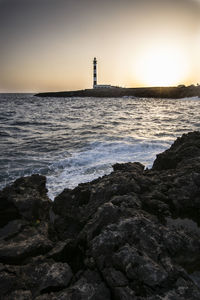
[{"x": 133, "y": 234}]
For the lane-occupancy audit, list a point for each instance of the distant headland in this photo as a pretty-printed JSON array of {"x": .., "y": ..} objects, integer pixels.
[
  {"x": 106, "y": 90},
  {"x": 114, "y": 92}
]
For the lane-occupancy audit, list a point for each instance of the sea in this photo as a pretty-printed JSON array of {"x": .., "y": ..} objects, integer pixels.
[{"x": 75, "y": 140}]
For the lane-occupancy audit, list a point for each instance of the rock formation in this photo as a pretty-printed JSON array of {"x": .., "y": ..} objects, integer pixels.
[
  {"x": 142, "y": 92},
  {"x": 133, "y": 234}
]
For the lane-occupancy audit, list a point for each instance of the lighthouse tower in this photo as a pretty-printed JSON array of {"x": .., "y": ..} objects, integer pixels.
[{"x": 94, "y": 73}]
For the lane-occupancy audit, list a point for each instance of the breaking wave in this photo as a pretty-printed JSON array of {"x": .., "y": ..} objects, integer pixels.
[{"x": 76, "y": 140}]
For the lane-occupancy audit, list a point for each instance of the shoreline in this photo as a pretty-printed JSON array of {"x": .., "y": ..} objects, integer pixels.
[
  {"x": 132, "y": 234},
  {"x": 148, "y": 92}
]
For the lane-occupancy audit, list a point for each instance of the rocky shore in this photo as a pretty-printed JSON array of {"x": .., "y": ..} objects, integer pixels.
[
  {"x": 133, "y": 234},
  {"x": 149, "y": 92}
]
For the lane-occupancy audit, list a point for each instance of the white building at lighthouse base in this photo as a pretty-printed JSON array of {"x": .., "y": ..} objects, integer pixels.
[{"x": 103, "y": 86}]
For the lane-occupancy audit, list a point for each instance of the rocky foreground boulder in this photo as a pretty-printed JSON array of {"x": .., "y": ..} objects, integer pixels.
[{"x": 133, "y": 234}]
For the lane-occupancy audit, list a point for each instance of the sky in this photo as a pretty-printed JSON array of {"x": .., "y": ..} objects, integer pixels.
[{"x": 49, "y": 45}]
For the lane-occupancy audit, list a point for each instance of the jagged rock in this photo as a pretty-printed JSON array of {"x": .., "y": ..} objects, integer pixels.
[
  {"x": 10, "y": 281},
  {"x": 26, "y": 198},
  {"x": 15, "y": 252},
  {"x": 130, "y": 235},
  {"x": 47, "y": 277},
  {"x": 136, "y": 168},
  {"x": 58, "y": 253},
  {"x": 114, "y": 278},
  {"x": 73, "y": 208},
  {"x": 32, "y": 279},
  {"x": 20, "y": 295},
  {"x": 11, "y": 229},
  {"x": 30, "y": 239},
  {"x": 88, "y": 287},
  {"x": 182, "y": 152}
]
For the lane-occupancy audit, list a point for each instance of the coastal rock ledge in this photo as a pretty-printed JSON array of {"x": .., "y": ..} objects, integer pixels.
[{"x": 133, "y": 234}]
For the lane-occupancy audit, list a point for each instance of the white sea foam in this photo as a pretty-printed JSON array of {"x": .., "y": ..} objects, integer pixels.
[
  {"x": 97, "y": 160},
  {"x": 76, "y": 140}
]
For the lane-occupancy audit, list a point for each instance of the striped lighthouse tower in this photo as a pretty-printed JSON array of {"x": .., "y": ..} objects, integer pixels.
[{"x": 94, "y": 73}]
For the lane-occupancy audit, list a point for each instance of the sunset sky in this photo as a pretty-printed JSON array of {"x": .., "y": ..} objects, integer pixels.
[{"x": 49, "y": 45}]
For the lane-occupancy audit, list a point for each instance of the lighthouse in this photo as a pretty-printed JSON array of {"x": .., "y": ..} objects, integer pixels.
[
  {"x": 94, "y": 73},
  {"x": 95, "y": 85}
]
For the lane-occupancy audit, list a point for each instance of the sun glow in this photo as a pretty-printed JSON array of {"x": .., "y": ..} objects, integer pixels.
[{"x": 162, "y": 66}]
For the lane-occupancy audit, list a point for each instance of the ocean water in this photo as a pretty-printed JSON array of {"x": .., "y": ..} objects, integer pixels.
[{"x": 75, "y": 140}]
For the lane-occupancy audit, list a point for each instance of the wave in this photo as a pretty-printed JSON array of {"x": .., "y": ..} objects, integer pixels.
[
  {"x": 97, "y": 160},
  {"x": 24, "y": 123},
  {"x": 4, "y": 134},
  {"x": 76, "y": 140},
  {"x": 190, "y": 98}
]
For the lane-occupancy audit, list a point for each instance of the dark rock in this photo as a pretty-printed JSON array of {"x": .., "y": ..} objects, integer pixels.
[
  {"x": 88, "y": 287},
  {"x": 184, "y": 149},
  {"x": 9, "y": 281},
  {"x": 26, "y": 198},
  {"x": 115, "y": 278},
  {"x": 20, "y": 295},
  {"x": 15, "y": 252},
  {"x": 133, "y": 234},
  {"x": 129, "y": 167},
  {"x": 31, "y": 241},
  {"x": 11, "y": 229},
  {"x": 69, "y": 251},
  {"x": 58, "y": 253},
  {"x": 123, "y": 293},
  {"x": 47, "y": 277},
  {"x": 152, "y": 92},
  {"x": 105, "y": 215},
  {"x": 74, "y": 208}
]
